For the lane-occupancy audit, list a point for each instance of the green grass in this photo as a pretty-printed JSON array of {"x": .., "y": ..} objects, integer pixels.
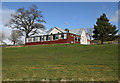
[{"x": 61, "y": 62}]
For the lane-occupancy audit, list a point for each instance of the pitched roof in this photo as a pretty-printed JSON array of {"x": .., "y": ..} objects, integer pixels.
[
  {"x": 62, "y": 30},
  {"x": 77, "y": 31}
]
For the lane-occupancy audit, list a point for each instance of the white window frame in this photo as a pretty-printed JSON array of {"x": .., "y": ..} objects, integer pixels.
[
  {"x": 42, "y": 37},
  {"x": 65, "y": 36},
  {"x": 36, "y": 39}
]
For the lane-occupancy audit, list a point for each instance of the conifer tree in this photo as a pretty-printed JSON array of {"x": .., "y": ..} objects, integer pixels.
[{"x": 103, "y": 30}]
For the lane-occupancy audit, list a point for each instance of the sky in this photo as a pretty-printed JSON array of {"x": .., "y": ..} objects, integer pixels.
[{"x": 69, "y": 15}]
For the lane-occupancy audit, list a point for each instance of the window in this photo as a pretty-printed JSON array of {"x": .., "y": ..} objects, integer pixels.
[
  {"x": 72, "y": 42},
  {"x": 26, "y": 39},
  {"x": 29, "y": 39},
  {"x": 78, "y": 38},
  {"x": 42, "y": 38},
  {"x": 47, "y": 38},
  {"x": 55, "y": 36},
  {"x": 36, "y": 39},
  {"x": 61, "y": 36},
  {"x": 75, "y": 38},
  {"x": 71, "y": 35},
  {"x": 65, "y": 36},
  {"x": 33, "y": 39}
]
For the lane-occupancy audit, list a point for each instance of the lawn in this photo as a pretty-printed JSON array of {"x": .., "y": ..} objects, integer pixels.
[{"x": 61, "y": 62}]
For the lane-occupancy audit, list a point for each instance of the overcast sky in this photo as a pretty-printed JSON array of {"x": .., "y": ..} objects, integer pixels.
[{"x": 66, "y": 14}]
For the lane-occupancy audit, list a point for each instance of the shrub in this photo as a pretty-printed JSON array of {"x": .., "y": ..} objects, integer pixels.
[
  {"x": 99, "y": 42},
  {"x": 109, "y": 42}
]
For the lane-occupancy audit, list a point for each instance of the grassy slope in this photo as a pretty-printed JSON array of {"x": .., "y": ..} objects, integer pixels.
[{"x": 65, "y": 61}]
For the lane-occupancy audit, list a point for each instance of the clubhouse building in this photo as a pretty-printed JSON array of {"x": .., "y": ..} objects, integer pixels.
[{"x": 59, "y": 36}]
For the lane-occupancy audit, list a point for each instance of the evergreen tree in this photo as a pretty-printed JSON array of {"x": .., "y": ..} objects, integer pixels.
[{"x": 103, "y": 30}]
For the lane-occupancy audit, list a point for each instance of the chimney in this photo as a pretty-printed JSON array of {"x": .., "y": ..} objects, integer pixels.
[{"x": 67, "y": 30}]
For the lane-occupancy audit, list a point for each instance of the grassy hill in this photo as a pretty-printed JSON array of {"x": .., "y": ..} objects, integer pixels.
[{"x": 61, "y": 62}]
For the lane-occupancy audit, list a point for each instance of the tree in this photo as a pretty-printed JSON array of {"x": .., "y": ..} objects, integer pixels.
[
  {"x": 89, "y": 33},
  {"x": 103, "y": 30},
  {"x": 20, "y": 42},
  {"x": 27, "y": 21},
  {"x": 15, "y": 36},
  {"x": 2, "y": 37}
]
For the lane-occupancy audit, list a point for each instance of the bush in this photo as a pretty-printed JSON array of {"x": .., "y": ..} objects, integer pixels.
[
  {"x": 109, "y": 42},
  {"x": 99, "y": 42}
]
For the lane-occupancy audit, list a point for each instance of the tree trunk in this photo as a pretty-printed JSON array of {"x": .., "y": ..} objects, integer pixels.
[
  {"x": 101, "y": 41},
  {"x": 27, "y": 35},
  {"x": 14, "y": 43},
  {"x": 90, "y": 39}
]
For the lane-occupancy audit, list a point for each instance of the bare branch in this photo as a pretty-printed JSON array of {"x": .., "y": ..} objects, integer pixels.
[
  {"x": 27, "y": 21},
  {"x": 15, "y": 36}
]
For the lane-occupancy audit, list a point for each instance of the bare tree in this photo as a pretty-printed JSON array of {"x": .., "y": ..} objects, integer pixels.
[
  {"x": 27, "y": 21},
  {"x": 89, "y": 33},
  {"x": 2, "y": 37},
  {"x": 15, "y": 36},
  {"x": 20, "y": 42}
]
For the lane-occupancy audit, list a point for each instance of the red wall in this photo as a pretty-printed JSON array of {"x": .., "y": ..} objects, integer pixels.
[
  {"x": 68, "y": 40},
  {"x": 71, "y": 38}
]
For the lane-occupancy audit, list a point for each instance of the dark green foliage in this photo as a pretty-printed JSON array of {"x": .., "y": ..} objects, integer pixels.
[{"x": 103, "y": 30}]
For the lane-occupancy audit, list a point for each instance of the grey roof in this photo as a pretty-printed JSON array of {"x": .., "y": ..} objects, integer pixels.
[{"x": 77, "y": 31}]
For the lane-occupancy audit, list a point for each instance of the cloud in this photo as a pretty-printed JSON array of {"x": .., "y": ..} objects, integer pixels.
[
  {"x": 6, "y": 34},
  {"x": 115, "y": 17},
  {"x": 5, "y": 15}
]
